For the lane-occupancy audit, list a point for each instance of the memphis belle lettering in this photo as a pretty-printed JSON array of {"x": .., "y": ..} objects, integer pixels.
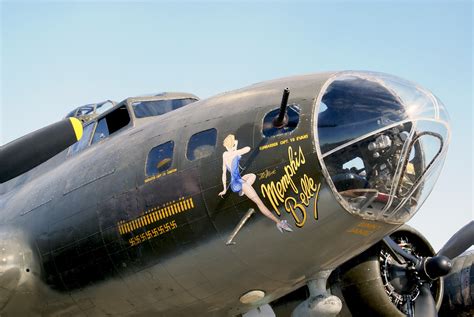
[{"x": 277, "y": 192}]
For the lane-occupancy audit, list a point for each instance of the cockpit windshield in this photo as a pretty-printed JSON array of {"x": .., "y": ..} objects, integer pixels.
[
  {"x": 382, "y": 141},
  {"x": 150, "y": 108}
]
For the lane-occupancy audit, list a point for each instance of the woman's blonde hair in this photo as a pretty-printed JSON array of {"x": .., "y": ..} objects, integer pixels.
[{"x": 229, "y": 141}]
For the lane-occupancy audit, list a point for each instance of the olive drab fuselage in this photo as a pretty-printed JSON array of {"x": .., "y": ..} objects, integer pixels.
[{"x": 101, "y": 232}]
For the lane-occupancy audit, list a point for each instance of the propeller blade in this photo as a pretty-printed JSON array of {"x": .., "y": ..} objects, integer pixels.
[
  {"x": 29, "y": 151},
  {"x": 398, "y": 252},
  {"x": 425, "y": 305},
  {"x": 459, "y": 242}
]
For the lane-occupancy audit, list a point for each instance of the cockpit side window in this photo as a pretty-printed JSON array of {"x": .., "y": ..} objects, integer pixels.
[
  {"x": 84, "y": 141},
  {"x": 160, "y": 158},
  {"x": 101, "y": 132},
  {"x": 150, "y": 108},
  {"x": 103, "y": 107},
  {"x": 111, "y": 123}
]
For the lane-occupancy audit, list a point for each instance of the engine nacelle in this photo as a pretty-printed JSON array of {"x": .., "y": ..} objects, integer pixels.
[{"x": 375, "y": 284}]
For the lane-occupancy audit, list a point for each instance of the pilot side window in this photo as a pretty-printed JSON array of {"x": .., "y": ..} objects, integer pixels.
[
  {"x": 84, "y": 141},
  {"x": 101, "y": 132},
  {"x": 201, "y": 144},
  {"x": 160, "y": 158},
  {"x": 111, "y": 123}
]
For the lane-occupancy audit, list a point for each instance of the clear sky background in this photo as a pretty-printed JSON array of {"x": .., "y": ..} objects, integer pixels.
[{"x": 56, "y": 56}]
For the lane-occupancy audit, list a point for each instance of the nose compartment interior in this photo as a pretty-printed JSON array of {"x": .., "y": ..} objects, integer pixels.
[{"x": 380, "y": 140}]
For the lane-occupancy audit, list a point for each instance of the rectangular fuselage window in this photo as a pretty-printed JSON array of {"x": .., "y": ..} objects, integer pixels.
[
  {"x": 160, "y": 158},
  {"x": 201, "y": 144}
]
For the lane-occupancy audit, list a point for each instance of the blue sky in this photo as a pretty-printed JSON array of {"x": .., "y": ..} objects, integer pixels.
[{"x": 56, "y": 56}]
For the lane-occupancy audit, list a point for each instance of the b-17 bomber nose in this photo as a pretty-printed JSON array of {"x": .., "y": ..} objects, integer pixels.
[{"x": 381, "y": 142}]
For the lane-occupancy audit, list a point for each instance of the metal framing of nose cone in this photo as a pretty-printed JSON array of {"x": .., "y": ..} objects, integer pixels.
[{"x": 381, "y": 142}]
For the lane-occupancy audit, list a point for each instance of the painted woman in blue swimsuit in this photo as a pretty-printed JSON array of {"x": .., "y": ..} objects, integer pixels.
[{"x": 243, "y": 184}]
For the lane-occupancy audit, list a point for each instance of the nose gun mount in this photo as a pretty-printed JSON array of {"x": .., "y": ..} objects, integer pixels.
[{"x": 282, "y": 119}]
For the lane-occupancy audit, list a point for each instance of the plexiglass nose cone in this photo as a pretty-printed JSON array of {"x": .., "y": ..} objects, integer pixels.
[{"x": 381, "y": 141}]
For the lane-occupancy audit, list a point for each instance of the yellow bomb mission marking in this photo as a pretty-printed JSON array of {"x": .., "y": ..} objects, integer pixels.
[
  {"x": 156, "y": 214},
  {"x": 276, "y": 192}
]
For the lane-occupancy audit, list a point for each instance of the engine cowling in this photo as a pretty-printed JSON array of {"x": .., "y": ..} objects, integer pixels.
[{"x": 375, "y": 284}]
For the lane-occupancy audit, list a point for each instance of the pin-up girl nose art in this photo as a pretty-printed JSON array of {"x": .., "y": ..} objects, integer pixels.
[{"x": 243, "y": 184}]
